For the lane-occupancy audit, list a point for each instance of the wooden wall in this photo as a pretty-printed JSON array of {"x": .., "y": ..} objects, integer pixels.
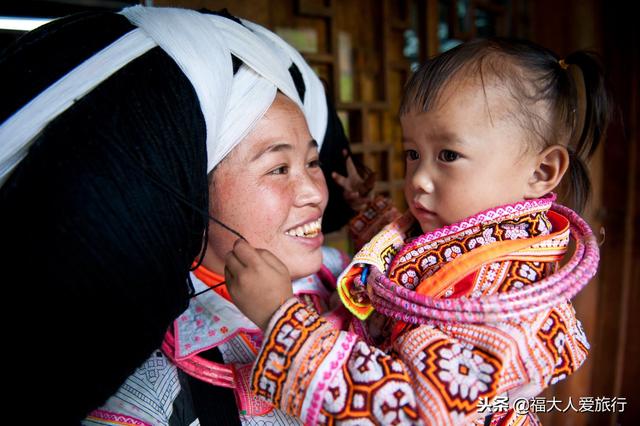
[{"x": 610, "y": 306}]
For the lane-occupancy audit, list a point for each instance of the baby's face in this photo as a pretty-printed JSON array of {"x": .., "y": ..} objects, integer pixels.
[{"x": 467, "y": 154}]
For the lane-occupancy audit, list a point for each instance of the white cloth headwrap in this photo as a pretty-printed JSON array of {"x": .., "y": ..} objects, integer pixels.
[
  {"x": 201, "y": 45},
  {"x": 315, "y": 105}
]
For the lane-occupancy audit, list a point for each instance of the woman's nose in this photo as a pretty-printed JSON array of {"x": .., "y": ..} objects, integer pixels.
[{"x": 311, "y": 188}]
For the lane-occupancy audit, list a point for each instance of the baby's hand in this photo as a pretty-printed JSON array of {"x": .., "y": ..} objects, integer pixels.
[
  {"x": 258, "y": 282},
  {"x": 357, "y": 185}
]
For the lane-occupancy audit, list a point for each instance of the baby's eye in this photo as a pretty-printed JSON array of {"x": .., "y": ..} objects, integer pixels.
[
  {"x": 448, "y": 156},
  {"x": 411, "y": 154},
  {"x": 282, "y": 170}
]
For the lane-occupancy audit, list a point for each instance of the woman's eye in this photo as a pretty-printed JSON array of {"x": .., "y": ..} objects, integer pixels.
[
  {"x": 411, "y": 154},
  {"x": 282, "y": 170},
  {"x": 315, "y": 163},
  {"x": 448, "y": 156}
]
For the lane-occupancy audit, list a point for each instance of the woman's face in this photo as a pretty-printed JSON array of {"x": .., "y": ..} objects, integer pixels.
[{"x": 271, "y": 190}]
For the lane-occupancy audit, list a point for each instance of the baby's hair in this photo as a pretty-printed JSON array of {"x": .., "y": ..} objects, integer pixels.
[{"x": 572, "y": 92}]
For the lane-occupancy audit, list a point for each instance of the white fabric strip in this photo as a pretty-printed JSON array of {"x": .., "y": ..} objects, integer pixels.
[
  {"x": 315, "y": 104},
  {"x": 201, "y": 45},
  {"x": 251, "y": 97},
  {"x": 191, "y": 40},
  {"x": 255, "y": 53},
  {"x": 19, "y": 130}
]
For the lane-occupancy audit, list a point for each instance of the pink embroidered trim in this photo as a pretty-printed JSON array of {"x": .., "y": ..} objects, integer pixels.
[
  {"x": 326, "y": 277},
  {"x": 223, "y": 375},
  {"x": 335, "y": 360},
  {"x": 339, "y": 317},
  {"x": 198, "y": 367},
  {"x": 408, "y": 306},
  {"x": 248, "y": 403},
  {"x": 116, "y": 418},
  {"x": 483, "y": 218},
  {"x": 194, "y": 352}
]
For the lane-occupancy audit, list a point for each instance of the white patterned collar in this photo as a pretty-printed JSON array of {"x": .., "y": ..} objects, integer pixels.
[{"x": 211, "y": 320}]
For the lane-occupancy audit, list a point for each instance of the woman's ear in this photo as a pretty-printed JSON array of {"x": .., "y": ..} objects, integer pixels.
[{"x": 552, "y": 163}]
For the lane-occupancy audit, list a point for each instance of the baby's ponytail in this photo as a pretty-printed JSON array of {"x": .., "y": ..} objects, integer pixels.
[{"x": 585, "y": 104}]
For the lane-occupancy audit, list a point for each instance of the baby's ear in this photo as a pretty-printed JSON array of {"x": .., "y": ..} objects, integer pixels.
[{"x": 552, "y": 163}]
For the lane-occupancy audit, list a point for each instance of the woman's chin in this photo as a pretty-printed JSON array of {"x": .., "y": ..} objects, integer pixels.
[{"x": 302, "y": 265}]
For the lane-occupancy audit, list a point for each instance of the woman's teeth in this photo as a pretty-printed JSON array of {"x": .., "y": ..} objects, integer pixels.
[{"x": 308, "y": 230}]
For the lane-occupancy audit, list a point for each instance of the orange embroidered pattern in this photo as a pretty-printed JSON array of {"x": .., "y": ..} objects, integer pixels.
[
  {"x": 436, "y": 374},
  {"x": 293, "y": 327}
]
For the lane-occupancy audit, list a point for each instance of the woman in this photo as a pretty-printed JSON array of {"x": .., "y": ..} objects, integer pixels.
[
  {"x": 270, "y": 190},
  {"x": 104, "y": 165}
]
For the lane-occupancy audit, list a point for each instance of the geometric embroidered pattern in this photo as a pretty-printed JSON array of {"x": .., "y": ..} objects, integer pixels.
[
  {"x": 294, "y": 324},
  {"x": 555, "y": 336},
  {"x": 430, "y": 374},
  {"x": 462, "y": 374},
  {"x": 359, "y": 389},
  {"x": 416, "y": 262},
  {"x": 153, "y": 394}
]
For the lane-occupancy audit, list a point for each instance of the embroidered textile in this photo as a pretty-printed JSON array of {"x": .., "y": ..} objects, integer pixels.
[
  {"x": 239, "y": 343},
  {"x": 434, "y": 372}
]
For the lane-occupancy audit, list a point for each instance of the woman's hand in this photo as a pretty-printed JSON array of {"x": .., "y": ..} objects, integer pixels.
[
  {"x": 357, "y": 185},
  {"x": 258, "y": 282}
]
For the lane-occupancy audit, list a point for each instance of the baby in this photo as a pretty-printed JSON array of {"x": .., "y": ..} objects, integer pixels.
[{"x": 469, "y": 302}]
